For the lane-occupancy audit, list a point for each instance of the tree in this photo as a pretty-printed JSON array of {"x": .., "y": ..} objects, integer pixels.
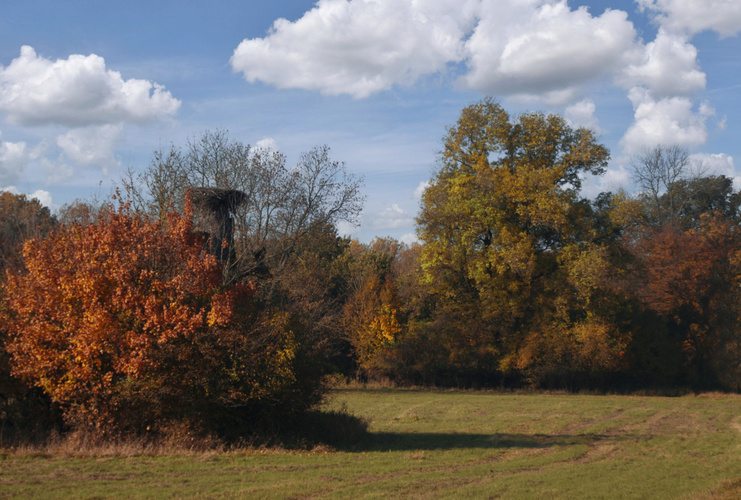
[
  {"x": 656, "y": 171},
  {"x": 690, "y": 278},
  {"x": 20, "y": 219},
  {"x": 124, "y": 322},
  {"x": 283, "y": 205},
  {"x": 507, "y": 240},
  {"x": 702, "y": 195}
]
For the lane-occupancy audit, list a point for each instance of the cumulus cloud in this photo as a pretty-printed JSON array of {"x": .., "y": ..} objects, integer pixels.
[
  {"x": 345, "y": 228},
  {"x": 669, "y": 67},
  {"x": 542, "y": 51},
  {"x": 662, "y": 85},
  {"x": 534, "y": 47},
  {"x": 76, "y": 92},
  {"x": 409, "y": 238},
  {"x": 13, "y": 157},
  {"x": 582, "y": 115},
  {"x": 667, "y": 121},
  {"x": 419, "y": 191},
  {"x": 715, "y": 164},
  {"x": 614, "y": 179},
  {"x": 91, "y": 145},
  {"x": 360, "y": 47},
  {"x": 392, "y": 218},
  {"x": 267, "y": 143},
  {"x": 44, "y": 197},
  {"x": 57, "y": 171},
  {"x": 695, "y": 16}
]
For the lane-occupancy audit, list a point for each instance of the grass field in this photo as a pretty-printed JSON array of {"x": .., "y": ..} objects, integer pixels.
[{"x": 447, "y": 444}]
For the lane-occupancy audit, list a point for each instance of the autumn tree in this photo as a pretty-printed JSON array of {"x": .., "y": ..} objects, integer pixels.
[
  {"x": 124, "y": 322},
  {"x": 372, "y": 319},
  {"x": 284, "y": 204},
  {"x": 280, "y": 230},
  {"x": 694, "y": 197},
  {"x": 685, "y": 274},
  {"x": 21, "y": 219},
  {"x": 509, "y": 244},
  {"x": 671, "y": 183}
]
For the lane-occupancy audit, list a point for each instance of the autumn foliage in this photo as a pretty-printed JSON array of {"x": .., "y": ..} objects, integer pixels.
[
  {"x": 520, "y": 280},
  {"x": 124, "y": 323},
  {"x": 128, "y": 323}
]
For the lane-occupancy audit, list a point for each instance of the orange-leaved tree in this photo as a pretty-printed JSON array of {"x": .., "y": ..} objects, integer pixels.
[
  {"x": 690, "y": 278},
  {"x": 124, "y": 323}
]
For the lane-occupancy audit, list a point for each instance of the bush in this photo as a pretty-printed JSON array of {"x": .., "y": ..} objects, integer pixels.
[{"x": 125, "y": 324}]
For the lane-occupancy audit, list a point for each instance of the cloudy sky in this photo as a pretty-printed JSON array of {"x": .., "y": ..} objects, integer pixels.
[{"x": 91, "y": 89}]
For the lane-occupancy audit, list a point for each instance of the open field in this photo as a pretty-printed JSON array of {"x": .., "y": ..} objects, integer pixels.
[{"x": 449, "y": 444}]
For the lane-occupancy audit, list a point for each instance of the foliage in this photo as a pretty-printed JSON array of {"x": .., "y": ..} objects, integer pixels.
[
  {"x": 509, "y": 244},
  {"x": 371, "y": 321},
  {"x": 20, "y": 219},
  {"x": 285, "y": 204},
  {"x": 22, "y": 409},
  {"x": 655, "y": 171},
  {"x": 690, "y": 279},
  {"x": 124, "y": 323}
]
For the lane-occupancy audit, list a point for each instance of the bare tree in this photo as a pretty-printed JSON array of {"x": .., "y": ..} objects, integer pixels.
[
  {"x": 282, "y": 204},
  {"x": 655, "y": 171}
]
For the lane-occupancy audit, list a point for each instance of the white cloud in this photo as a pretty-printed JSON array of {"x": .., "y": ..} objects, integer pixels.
[
  {"x": 695, "y": 16},
  {"x": 77, "y": 91},
  {"x": 267, "y": 143},
  {"x": 57, "y": 171},
  {"x": 409, "y": 238},
  {"x": 13, "y": 157},
  {"x": 419, "y": 191},
  {"x": 614, "y": 179},
  {"x": 667, "y": 121},
  {"x": 345, "y": 228},
  {"x": 44, "y": 197},
  {"x": 715, "y": 164},
  {"x": 538, "y": 46},
  {"x": 669, "y": 67},
  {"x": 91, "y": 145},
  {"x": 358, "y": 47},
  {"x": 392, "y": 218},
  {"x": 582, "y": 115}
]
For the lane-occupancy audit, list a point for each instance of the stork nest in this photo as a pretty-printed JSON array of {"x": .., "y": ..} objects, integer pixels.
[{"x": 217, "y": 199}]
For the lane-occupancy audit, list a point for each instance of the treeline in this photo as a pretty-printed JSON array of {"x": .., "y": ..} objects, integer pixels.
[
  {"x": 521, "y": 281},
  {"x": 213, "y": 292}
]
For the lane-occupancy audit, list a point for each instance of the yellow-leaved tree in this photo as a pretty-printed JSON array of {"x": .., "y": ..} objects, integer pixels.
[{"x": 511, "y": 246}]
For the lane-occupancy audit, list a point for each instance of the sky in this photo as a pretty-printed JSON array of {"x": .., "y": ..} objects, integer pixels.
[{"x": 90, "y": 89}]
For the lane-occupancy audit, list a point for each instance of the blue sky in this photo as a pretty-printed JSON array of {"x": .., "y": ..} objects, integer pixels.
[{"x": 90, "y": 89}]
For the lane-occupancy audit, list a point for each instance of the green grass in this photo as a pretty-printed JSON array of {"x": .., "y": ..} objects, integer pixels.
[{"x": 447, "y": 444}]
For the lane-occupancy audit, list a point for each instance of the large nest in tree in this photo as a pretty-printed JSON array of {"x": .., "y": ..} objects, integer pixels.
[{"x": 217, "y": 199}]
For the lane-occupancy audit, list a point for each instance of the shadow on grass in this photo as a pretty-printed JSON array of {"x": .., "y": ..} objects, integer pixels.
[
  {"x": 412, "y": 441},
  {"x": 347, "y": 432}
]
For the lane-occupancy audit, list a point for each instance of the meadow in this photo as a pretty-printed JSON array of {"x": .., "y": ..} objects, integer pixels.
[{"x": 434, "y": 444}]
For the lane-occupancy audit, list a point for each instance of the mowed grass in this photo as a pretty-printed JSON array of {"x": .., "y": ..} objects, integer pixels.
[{"x": 441, "y": 444}]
